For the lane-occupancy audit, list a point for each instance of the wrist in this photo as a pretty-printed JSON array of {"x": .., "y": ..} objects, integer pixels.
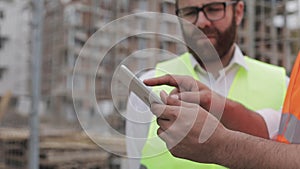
[
  {"x": 225, "y": 151},
  {"x": 230, "y": 109},
  {"x": 218, "y": 143}
]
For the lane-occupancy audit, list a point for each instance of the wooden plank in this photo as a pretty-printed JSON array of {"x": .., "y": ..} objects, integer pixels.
[
  {"x": 60, "y": 166},
  {"x": 67, "y": 145},
  {"x": 14, "y": 134},
  {"x": 112, "y": 144},
  {"x": 82, "y": 156},
  {"x": 4, "y": 103},
  {"x": 91, "y": 165}
]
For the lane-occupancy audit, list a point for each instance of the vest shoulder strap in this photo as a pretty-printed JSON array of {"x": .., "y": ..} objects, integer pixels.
[
  {"x": 248, "y": 85},
  {"x": 179, "y": 65}
]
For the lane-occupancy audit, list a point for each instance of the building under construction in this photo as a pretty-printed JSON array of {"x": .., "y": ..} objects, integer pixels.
[
  {"x": 265, "y": 34},
  {"x": 69, "y": 25},
  {"x": 73, "y": 74},
  {"x": 270, "y": 32}
]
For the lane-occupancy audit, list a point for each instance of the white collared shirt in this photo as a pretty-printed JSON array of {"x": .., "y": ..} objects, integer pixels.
[
  {"x": 139, "y": 114},
  {"x": 223, "y": 82}
]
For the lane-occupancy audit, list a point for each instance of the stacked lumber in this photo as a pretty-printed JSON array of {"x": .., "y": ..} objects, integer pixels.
[
  {"x": 115, "y": 145},
  {"x": 65, "y": 153},
  {"x": 61, "y": 150},
  {"x": 72, "y": 159}
]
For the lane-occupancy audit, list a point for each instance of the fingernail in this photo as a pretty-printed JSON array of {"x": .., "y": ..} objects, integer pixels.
[{"x": 174, "y": 96}]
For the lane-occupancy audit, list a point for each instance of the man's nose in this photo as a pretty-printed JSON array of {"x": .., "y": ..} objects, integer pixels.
[{"x": 202, "y": 21}]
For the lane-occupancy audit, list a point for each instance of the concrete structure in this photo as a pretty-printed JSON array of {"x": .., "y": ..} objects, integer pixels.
[
  {"x": 15, "y": 49},
  {"x": 69, "y": 24},
  {"x": 267, "y": 31}
]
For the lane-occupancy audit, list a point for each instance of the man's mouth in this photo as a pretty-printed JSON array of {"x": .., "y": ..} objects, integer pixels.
[{"x": 210, "y": 36}]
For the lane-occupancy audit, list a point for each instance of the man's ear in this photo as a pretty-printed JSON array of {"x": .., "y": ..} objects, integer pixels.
[{"x": 239, "y": 12}]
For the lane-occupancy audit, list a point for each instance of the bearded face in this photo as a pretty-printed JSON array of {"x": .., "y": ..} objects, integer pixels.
[{"x": 201, "y": 40}]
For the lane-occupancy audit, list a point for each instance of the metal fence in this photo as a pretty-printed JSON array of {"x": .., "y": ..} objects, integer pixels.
[{"x": 62, "y": 142}]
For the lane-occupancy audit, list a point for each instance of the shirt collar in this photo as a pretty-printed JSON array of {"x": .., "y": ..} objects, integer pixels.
[{"x": 238, "y": 59}]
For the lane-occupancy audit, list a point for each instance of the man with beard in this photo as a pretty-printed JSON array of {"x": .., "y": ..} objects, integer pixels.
[
  {"x": 223, "y": 146},
  {"x": 255, "y": 90}
]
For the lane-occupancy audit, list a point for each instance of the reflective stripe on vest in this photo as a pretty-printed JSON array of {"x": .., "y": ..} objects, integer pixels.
[
  {"x": 289, "y": 130},
  {"x": 270, "y": 95}
]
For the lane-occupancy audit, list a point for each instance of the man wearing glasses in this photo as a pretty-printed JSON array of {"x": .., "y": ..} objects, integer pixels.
[{"x": 251, "y": 85}]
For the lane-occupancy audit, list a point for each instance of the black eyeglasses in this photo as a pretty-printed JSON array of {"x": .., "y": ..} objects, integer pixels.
[{"x": 212, "y": 11}]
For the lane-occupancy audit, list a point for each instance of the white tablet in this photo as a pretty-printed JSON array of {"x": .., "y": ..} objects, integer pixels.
[{"x": 135, "y": 85}]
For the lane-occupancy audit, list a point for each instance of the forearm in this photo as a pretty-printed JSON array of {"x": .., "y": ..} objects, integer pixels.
[
  {"x": 242, "y": 151},
  {"x": 238, "y": 118}
]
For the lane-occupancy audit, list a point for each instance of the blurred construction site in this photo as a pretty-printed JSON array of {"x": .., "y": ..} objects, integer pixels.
[{"x": 270, "y": 32}]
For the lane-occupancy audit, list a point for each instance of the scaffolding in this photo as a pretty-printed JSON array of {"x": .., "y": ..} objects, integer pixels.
[{"x": 266, "y": 35}]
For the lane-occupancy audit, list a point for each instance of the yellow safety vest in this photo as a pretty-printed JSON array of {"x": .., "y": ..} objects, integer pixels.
[{"x": 262, "y": 86}]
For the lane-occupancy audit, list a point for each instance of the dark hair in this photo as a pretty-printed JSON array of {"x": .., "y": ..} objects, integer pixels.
[{"x": 176, "y": 3}]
